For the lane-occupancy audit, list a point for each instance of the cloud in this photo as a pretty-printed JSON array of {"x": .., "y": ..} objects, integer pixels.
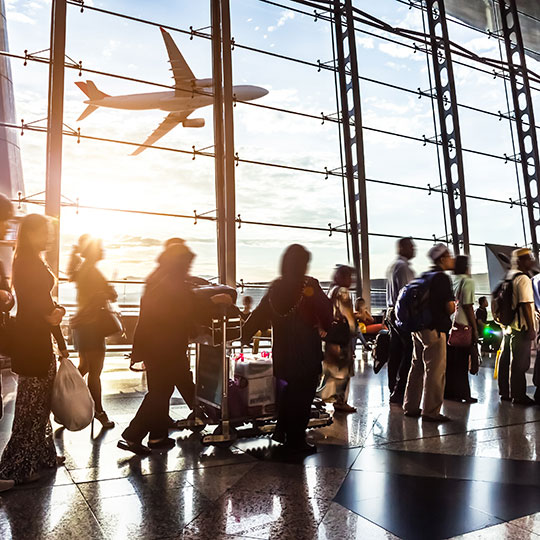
[
  {"x": 366, "y": 42},
  {"x": 20, "y": 17}
]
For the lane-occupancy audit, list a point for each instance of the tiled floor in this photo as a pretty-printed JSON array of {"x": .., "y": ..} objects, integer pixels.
[{"x": 377, "y": 475}]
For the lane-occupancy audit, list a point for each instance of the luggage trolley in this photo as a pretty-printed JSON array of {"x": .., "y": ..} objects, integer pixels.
[{"x": 212, "y": 397}]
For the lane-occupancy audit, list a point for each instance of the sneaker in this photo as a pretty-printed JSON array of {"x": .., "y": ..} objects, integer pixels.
[
  {"x": 413, "y": 414},
  {"x": 440, "y": 418}
]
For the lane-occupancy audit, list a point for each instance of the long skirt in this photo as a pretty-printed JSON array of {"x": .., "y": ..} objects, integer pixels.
[
  {"x": 31, "y": 446},
  {"x": 338, "y": 368}
]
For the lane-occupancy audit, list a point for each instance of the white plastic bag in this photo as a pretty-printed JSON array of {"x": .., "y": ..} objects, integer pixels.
[{"x": 72, "y": 404}]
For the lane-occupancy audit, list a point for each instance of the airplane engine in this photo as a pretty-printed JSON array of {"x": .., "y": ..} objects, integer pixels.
[
  {"x": 203, "y": 83},
  {"x": 193, "y": 122}
]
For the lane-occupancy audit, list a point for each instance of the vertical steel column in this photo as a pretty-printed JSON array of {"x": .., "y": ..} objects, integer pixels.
[
  {"x": 228, "y": 120},
  {"x": 352, "y": 135},
  {"x": 445, "y": 90},
  {"x": 524, "y": 114},
  {"x": 55, "y": 119},
  {"x": 217, "y": 69}
]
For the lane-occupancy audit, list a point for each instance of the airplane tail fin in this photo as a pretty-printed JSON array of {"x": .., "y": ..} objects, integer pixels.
[
  {"x": 91, "y": 90},
  {"x": 87, "y": 112}
]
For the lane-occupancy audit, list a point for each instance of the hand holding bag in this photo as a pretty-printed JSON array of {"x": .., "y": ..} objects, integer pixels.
[
  {"x": 71, "y": 403},
  {"x": 460, "y": 334}
]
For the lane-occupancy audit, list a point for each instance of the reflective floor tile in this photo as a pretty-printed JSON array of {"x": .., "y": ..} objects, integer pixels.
[
  {"x": 504, "y": 531},
  {"x": 346, "y": 525},
  {"x": 530, "y": 523},
  {"x": 213, "y": 482},
  {"x": 292, "y": 480},
  {"x": 254, "y": 514},
  {"x": 55, "y": 512},
  {"x": 507, "y": 471},
  {"x": 150, "y": 513},
  {"x": 420, "y": 508}
]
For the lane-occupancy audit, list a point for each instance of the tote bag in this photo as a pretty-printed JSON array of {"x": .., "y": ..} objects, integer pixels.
[{"x": 71, "y": 404}]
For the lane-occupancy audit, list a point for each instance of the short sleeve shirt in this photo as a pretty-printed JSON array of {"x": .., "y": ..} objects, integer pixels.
[
  {"x": 464, "y": 292},
  {"x": 440, "y": 294},
  {"x": 522, "y": 290}
]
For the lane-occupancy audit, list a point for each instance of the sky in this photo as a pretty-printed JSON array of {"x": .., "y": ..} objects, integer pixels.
[{"x": 103, "y": 174}]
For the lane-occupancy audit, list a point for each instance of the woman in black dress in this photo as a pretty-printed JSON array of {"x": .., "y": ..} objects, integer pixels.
[
  {"x": 298, "y": 311},
  {"x": 30, "y": 448}
]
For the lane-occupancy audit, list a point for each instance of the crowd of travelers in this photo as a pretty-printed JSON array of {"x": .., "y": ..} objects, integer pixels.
[{"x": 430, "y": 323}]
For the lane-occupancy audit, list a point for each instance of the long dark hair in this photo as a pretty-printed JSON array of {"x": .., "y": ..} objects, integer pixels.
[
  {"x": 29, "y": 224},
  {"x": 462, "y": 265},
  {"x": 288, "y": 289}
]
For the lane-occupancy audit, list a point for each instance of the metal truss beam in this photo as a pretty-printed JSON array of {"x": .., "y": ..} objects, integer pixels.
[
  {"x": 55, "y": 126},
  {"x": 224, "y": 141},
  {"x": 445, "y": 90},
  {"x": 353, "y": 143},
  {"x": 523, "y": 111}
]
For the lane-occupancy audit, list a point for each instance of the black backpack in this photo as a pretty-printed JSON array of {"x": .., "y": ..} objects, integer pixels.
[
  {"x": 413, "y": 310},
  {"x": 502, "y": 299}
]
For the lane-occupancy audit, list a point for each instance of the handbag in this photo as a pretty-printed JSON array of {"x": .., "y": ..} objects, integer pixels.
[
  {"x": 339, "y": 332},
  {"x": 460, "y": 335},
  {"x": 108, "y": 322},
  {"x": 71, "y": 402}
]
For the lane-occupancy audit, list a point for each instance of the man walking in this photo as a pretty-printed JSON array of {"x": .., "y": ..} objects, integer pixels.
[
  {"x": 398, "y": 275},
  {"x": 429, "y": 344}
]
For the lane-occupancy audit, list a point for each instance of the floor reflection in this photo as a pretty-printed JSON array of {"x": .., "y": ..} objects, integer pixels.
[{"x": 254, "y": 490}]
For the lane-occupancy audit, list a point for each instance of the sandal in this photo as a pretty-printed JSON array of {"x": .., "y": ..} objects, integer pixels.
[
  {"x": 104, "y": 419},
  {"x": 162, "y": 444}
]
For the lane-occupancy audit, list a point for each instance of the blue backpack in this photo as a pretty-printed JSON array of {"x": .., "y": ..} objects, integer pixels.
[{"x": 412, "y": 309}]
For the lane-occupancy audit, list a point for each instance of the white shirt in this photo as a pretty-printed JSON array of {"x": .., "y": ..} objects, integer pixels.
[
  {"x": 464, "y": 296},
  {"x": 522, "y": 291},
  {"x": 397, "y": 276}
]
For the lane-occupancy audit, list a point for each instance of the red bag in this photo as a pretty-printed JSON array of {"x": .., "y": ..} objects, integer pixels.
[{"x": 460, "y": 335}]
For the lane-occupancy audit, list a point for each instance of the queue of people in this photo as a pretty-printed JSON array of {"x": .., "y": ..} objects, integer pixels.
[{"x": 313, "y": 346}]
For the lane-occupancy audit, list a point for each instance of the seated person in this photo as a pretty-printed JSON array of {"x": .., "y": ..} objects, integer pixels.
[
  {"x": 247, "y": 303},
  {"x": 364, "y": 317}
]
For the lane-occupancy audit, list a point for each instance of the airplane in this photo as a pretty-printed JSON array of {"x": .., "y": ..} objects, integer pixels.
[{"x": 190, "y": 94}]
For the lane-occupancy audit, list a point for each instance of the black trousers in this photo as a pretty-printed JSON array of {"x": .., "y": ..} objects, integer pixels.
[
  {"x": 457, "y": 373},
  {"x": 153, "y": 414},
  {"x": 399, "y": 361},
  {"x": 294, "y": 406}
]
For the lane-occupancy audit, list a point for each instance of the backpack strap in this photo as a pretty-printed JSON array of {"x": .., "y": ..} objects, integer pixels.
[{"x": 518, "y": 310}]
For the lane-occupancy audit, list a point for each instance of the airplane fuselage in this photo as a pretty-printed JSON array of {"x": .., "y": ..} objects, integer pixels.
[{"x": 171, "y": 101}]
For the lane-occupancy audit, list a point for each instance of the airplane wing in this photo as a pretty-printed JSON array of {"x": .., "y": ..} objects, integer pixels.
[
  {"x": 170, "y": 122},
  {"x": 182, "y": 74}
]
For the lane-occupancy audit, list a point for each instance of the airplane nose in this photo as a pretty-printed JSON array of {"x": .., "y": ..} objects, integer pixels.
[{"x": 261, "y": 92}]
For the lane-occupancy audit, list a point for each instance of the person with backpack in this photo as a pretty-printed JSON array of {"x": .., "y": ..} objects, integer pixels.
[
  {"x": 513, "y": 308},
  {"x": 399, "y": 362},
  {"x": 430, "y": 322}
]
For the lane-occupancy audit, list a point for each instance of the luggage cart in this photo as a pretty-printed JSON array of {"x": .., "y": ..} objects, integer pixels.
[{"x": 212, "y": 407}]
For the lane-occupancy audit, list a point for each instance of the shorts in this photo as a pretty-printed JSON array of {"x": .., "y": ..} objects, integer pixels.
[{"x": 88, "y": 339}]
